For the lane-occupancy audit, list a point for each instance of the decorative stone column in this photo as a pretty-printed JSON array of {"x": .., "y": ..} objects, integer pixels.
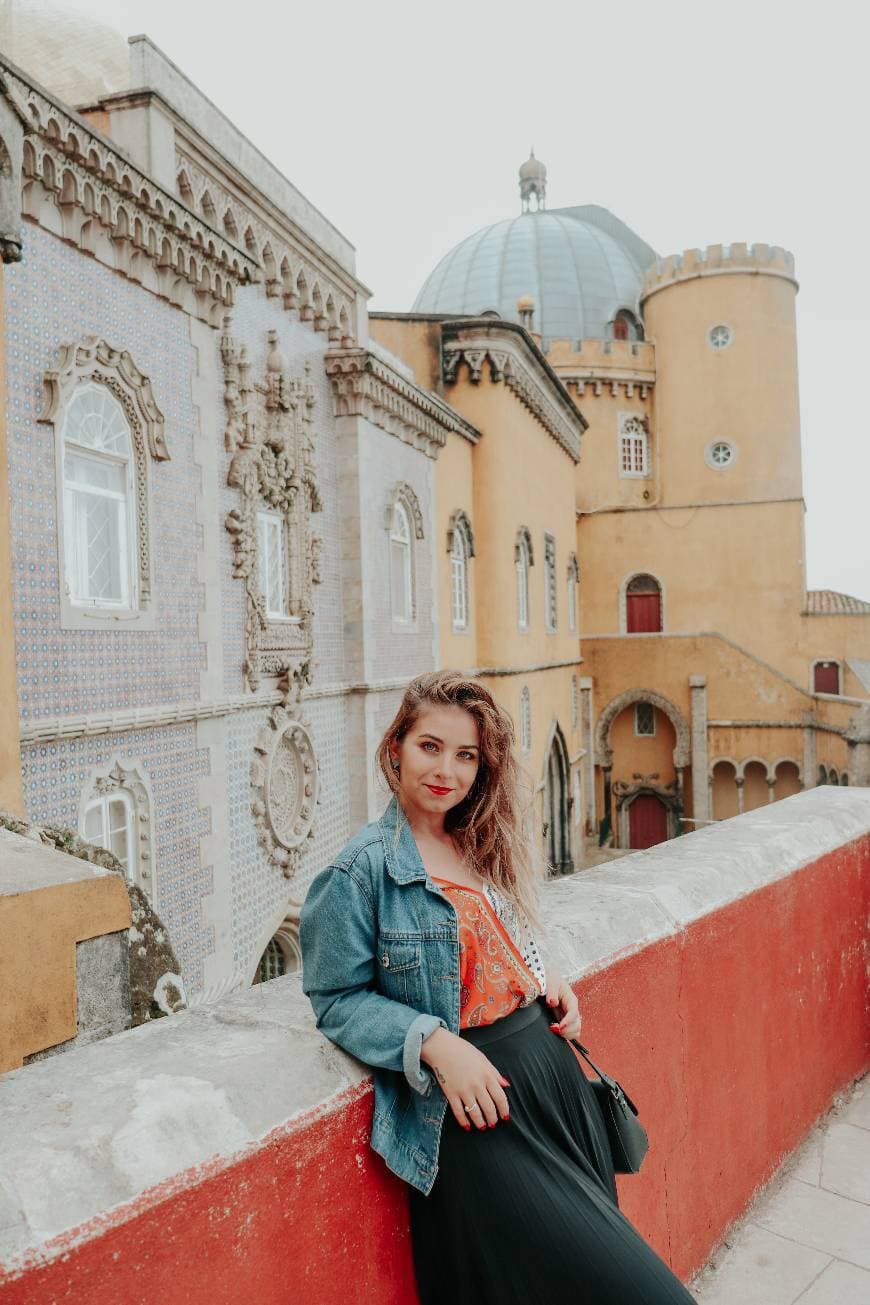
[
  {"x": 739, "y": 783},
  {"x": 700, "y": 785},
  {"x": 589, "y": 821},
  {"x": 809, "y": 778},
  {"x": 771, "y": 786},
  {"x": 13, "y": 125},
  {"x": 857, "y": 737}
]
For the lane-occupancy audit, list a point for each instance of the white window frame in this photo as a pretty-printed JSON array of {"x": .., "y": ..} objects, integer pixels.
[
  {"x": 102, "y": 803},
  {"x": 551, "y": 597},
  {"x": 632, "y": 446},
  {"x": 459, "y": 580},
  {"x": 575, "y": 702},
  {"x": 75, "y": 545},
  {"x": 523, "y": 562},
  {"x": 401, "y": 538},
  {"x": 720, "y": 336},
  {"x": 272, "y": 535}
]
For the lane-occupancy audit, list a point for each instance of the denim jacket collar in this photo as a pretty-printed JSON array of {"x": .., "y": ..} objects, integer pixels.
[{"x": 401, "y": 854}]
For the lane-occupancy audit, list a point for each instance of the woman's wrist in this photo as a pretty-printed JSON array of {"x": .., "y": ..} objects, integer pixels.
[{"x": 434, "y": 1044}]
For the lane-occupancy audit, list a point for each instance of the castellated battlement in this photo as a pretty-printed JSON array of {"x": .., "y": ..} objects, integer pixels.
[{"x": 718, "y": 260}]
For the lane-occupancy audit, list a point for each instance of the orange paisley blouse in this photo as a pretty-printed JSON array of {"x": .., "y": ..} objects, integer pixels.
[{"x": 495, "y": 978}]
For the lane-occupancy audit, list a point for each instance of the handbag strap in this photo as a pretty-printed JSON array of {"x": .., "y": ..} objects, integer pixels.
[{"x": 605, "y": 1078}]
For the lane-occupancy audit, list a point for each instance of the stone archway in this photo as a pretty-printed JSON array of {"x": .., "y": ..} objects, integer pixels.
[
  {"x": 556, "y": 823},
  {"x": 604, "y": 756}
]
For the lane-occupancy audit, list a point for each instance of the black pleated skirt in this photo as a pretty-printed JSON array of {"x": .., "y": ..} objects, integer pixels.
[{"x": 526, "y": 1213}]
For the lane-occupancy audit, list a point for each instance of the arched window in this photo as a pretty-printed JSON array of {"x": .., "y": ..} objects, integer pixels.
[
  {"x": 523, "y": 560},
  {"x": 272, "y": 562},
  {"x": 401, "y": 573},
  {"x": 460, "y": 545},
  {"x": 109, "y": 823},
  {"x": 550, "y": 583},
  {"x": 626, "y": 326},
  {"x": 575, "y": 703},
  {"x": 459, "y": 580},
  {"x": 115, "y": 813},
  {"x": 525, "y": 720},
  {"x": 272, "y": 964},
  {"x": 99, "y": 512},
  {"x": 633, "y": 445},
  {"x": 573, "y": 577},
  {"x": 643, "y": 605}
]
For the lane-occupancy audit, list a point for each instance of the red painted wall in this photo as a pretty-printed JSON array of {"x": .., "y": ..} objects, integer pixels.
[{"x": 732, "y": 1037}]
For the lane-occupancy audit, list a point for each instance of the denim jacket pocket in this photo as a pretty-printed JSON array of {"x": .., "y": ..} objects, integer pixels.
[{"x": 399, "y": 967}]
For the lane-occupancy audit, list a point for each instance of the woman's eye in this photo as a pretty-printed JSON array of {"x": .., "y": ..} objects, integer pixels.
[{"x": 427, "y": 745}]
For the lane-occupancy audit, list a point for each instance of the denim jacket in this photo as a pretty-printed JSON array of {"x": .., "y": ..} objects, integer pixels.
[{"x": 380, "y": 952}]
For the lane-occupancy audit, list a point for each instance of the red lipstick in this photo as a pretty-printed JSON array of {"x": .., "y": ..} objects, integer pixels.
[{"x": 439, "y": 792}]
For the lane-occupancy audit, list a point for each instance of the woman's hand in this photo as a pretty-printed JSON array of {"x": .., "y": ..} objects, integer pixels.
[
  {"x": 467, "y": 1078},
  {"x": 560, "y": 995}
]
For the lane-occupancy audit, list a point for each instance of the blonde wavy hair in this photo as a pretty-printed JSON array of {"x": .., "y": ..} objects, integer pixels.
[{"x": 488, "y": 824}]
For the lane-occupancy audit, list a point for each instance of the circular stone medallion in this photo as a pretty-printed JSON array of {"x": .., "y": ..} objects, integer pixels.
[{"x": 291, "y": 785}]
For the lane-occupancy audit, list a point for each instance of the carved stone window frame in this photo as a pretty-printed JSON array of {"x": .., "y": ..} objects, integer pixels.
[
  {"x": 127, "y": 775},
  {"x": 92, "y": 361},
  {"x": 270, "y": 434}
]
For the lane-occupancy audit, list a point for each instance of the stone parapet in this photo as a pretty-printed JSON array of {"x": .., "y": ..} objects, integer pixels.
[
  {"x": 237, "y": 1127},
  {"x": 717, "y": 260}
]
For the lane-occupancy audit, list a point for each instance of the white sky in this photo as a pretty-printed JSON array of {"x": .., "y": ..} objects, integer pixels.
[{"x": 406, "y": 123}]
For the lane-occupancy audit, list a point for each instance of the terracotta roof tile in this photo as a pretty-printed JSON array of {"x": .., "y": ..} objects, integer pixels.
[{"x": 827, "y": 602}]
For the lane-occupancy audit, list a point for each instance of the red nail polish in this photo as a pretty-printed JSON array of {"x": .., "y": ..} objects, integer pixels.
[
  {"x": 467, "y": 1127},
  {"x": 492, "y": 1125}
]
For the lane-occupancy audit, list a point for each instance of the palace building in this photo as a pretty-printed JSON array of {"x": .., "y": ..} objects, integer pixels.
[{"x": 242, "y": 512}]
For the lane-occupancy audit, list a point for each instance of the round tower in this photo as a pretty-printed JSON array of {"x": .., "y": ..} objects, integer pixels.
[{"x": 726, "y": 401}]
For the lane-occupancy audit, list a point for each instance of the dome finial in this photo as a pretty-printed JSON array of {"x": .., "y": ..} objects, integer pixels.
[{"x": 533, "y": 181}]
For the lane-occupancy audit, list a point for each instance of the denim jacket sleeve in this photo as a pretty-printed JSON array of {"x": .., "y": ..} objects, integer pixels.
[{"x": 338, "y": 938}]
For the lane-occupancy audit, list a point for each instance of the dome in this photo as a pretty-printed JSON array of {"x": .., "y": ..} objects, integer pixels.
[
  {"x": 74, "y": 57},
  {"x": 533, "y": 169},
  {"x": 580, "y": 265}
]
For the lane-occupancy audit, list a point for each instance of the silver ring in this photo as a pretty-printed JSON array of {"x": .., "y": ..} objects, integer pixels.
[{"x": 474, "y": 1107}]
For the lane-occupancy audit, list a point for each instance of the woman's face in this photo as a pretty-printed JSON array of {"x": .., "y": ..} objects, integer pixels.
[{"x": 438, "y": 760}]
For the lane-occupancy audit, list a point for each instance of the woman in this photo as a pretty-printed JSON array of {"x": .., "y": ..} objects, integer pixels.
[{"x": 419, "y": 958}]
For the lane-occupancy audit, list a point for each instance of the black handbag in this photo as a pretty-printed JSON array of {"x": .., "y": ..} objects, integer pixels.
[{"x": 625, "y": 1132}]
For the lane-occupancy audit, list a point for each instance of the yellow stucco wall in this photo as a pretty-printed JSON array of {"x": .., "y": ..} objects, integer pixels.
[{"x": 10, "y": 762}]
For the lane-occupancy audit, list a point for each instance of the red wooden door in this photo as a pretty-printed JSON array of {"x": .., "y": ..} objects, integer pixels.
[
  {"x": 647, "y": 821},
  {"x": 644, "y": 613}
]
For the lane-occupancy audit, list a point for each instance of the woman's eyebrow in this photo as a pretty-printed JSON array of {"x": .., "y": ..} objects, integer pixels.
[{"x": 466, "y": 747}]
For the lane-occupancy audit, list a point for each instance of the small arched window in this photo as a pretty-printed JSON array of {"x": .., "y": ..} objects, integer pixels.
[
  {"x": 643, "y": 605},
  {"x": 459, "y": 580},
  {"x": 633, "y": 445},
  {"x": 401, "y": 571},
  {"x": 523, "y": 560},
  {"x": 109, "y": 822},
  {"x": 99, "y": 511},
  {"x": 525, "y": 720},
  {"x": 626, "y": 326},
  {"x": 573, "y": 578},
  {"x": 460, "y": 546}
]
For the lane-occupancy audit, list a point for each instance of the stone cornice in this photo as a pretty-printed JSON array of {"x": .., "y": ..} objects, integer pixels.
[
  {"x": 86, "y": 190},
  {"x": 364, "y": 385},
  {"x": 515, "y": 360}
]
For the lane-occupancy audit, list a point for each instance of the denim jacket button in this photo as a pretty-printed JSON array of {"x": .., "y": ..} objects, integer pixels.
[{"x": 386, "y": 958}]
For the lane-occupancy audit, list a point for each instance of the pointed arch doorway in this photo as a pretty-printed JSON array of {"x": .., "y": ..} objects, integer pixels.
[{"x": 557, "y": 829}]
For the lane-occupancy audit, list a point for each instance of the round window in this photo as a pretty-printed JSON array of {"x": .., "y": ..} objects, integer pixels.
[
  {"x": 720, "y": 454},
  {"x": 719, "y": 337}
]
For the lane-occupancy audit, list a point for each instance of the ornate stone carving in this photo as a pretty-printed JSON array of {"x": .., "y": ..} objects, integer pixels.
[
  {"x": 365, "y": 385},
  {"x": 14, "y": 124},
  {"x": 514, "y": 362},
  {"x": 288, "y": 268},
  {"x": 78, "y": 186},
  {"x": 403, "y": 493},
  {"x": 284, "y": 779},
  {"x": 93, "y": 360},
  {"x": 269, "y": 432}
]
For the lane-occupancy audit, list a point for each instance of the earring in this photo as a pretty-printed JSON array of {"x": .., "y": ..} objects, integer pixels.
[{"x": 394, "y": 762}]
